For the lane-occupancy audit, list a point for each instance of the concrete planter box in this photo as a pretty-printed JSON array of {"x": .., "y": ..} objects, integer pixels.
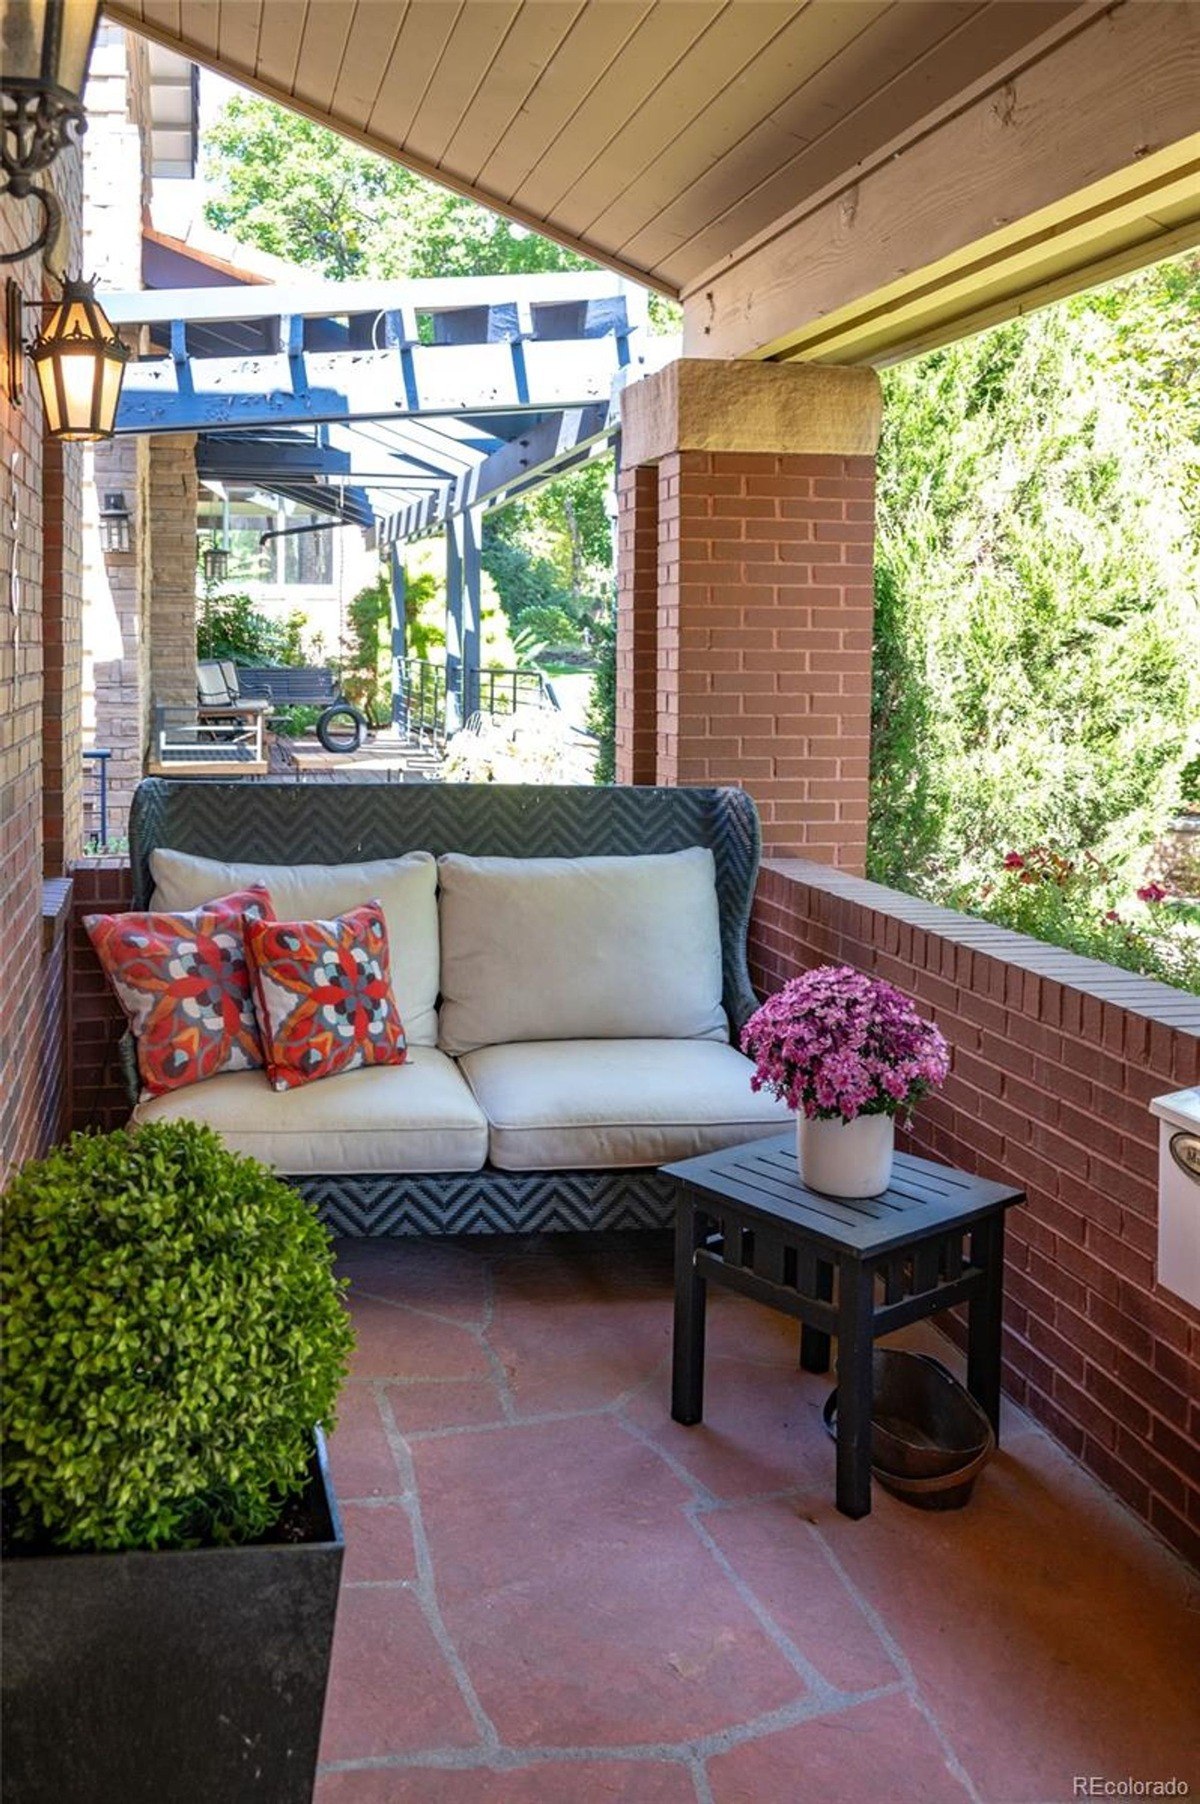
[{"x": 191, "y": 1676}]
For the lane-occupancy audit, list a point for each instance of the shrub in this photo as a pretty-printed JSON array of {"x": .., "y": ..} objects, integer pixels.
[
  {"x": 552, "y": 626},
  {"x": 1078, "y": 903},
  {"x": 230, "y": 626},
  {"x": 602, "y": 703},
  {"x": 296, "y": 720},
  {"x": 1037, "y": 645},
  {"x": 531, "y": 746},
  {"x": 173, "y": 1330}
]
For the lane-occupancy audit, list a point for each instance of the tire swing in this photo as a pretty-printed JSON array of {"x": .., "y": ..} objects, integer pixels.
[{"x": 342, "y": 727}]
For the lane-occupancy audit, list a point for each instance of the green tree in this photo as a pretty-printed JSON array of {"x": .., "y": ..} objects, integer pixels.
[
  {"x": 554, "y": 550},
  {"x": 301, "y": 192},
  {"x": 304, "y": 193}
]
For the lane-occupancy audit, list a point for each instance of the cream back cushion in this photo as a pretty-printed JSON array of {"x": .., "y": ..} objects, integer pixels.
[
  {"x": 406, "y": 887},
  {"x": 580, "y": 949}
]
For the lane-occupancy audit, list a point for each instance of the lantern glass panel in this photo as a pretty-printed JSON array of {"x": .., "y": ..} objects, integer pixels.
[
  {"x": 48, "y": 42},
  {"x": 23, "y": 25},
  {"x": 80, "y": 365},
  {"x": 78, "y": 30}
]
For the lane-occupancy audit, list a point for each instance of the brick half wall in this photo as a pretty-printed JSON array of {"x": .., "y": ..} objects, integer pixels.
[
  {"x": 1055, "y": 1059},
  {"x": 96, "y": 1096}
]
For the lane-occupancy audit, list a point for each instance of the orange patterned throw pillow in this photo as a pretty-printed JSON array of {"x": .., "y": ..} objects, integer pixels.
[
  {"x": 183, "y": 981},
  {"x": 323, "y": 992}
]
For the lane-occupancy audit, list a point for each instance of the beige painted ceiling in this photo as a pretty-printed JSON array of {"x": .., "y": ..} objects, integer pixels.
[{"x": 656, "y": 136}]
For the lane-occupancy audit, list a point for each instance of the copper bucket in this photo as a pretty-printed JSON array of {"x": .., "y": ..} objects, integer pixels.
[{"x": 930, "y": 1440}]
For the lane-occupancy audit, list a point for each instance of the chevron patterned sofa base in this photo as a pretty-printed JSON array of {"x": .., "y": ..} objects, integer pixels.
[
  {"x": 491, "y": 1202},
  {"x": 286, "y": 822}
]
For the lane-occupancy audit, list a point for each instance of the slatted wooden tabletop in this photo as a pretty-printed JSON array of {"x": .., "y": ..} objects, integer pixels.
[{"x": 761, "y": 1181}]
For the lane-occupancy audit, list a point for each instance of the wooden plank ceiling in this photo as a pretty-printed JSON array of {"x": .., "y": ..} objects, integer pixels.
[{"x": 656, "y": 136}]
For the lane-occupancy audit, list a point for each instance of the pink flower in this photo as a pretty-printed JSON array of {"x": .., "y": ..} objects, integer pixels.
[
  {"x": 1013, "y": 861},
  {"x": 1152, "y": 892},
  {"x": 835, "y": 1042}
]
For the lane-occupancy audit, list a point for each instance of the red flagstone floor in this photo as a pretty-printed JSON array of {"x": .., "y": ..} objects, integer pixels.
[{"x": 554, "y": 1595}]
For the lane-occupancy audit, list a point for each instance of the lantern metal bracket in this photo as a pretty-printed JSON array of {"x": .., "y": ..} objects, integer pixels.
[
  {"x": 47, "y": 50},
  {"x": 37, "y": 125}
]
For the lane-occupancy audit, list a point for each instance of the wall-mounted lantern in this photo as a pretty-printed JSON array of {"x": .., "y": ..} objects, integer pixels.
[
  {"x": 215, "y": 563},
  {"x": 80, "y": 364},
  {"x": 115, "y": 532},
  {"x": 45, "y": 48},
  {"x": 79, "y": 359}
]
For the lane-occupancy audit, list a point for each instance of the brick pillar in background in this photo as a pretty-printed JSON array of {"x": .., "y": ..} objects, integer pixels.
[
  {"x": 172, "y": 612},
  {"x": 116, "y": 656},
  {"x": 764, "y": 500},
  {"x": 62, "y": 668},
  {"x": 637, "y": 624}
]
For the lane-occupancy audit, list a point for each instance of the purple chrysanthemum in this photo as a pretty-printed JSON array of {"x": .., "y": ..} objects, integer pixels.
[{"x": 837, "y": 1043}]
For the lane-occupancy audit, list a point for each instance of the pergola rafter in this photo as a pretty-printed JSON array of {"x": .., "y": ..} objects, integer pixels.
[
  {"x": 395, "y": 405},
  {"x": 403, "y": 408}
]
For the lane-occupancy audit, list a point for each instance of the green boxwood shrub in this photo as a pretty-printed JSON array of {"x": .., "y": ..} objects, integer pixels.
[{"x": 173, "y": 1331}]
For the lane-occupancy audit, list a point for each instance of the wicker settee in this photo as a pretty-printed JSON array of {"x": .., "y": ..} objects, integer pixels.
[{"x": 335, "y": 825}]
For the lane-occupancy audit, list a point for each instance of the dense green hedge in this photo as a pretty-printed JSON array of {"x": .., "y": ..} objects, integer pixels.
[{"x": 1037, "y": 656}]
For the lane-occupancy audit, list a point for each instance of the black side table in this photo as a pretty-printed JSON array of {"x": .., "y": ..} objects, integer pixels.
[{"x": 855, "y": 1269}]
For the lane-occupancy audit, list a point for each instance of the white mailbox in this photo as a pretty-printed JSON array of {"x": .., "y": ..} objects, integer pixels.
[{"x": 1179, "y": 1193}]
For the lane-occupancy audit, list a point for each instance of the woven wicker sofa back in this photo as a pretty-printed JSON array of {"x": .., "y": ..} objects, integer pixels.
[{"x": 283, "y": 822}]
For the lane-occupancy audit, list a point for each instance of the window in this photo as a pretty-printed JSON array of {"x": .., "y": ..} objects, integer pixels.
[{"x": 238, "y": 520}]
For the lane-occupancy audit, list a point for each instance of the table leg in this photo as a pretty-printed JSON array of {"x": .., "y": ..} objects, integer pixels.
[
  {"x": 983, "y": 1329},
  {"x": 856, "y": 1311},
  {"x": 687, "y": 1377},
  {"x": 814, "y": 1342}
]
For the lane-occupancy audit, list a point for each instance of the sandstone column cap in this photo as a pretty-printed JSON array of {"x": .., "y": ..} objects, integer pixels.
[{"x": 707, "y": 404}]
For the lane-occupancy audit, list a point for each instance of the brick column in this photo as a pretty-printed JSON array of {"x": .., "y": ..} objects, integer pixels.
[
  {"x": 172, "y": 612},
  {"x": 637, "y": 624},
  {"x": 764, "y": 500},
  {"x": 62, "y": 670},
  {"x": 116, "y": 595}
]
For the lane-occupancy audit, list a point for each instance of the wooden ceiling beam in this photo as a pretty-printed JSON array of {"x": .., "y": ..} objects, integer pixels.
[{"x": 1079, "y": 163}]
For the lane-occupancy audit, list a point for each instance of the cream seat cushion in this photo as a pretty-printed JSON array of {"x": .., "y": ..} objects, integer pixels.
[
  {"x": 588, "y": 1104},
  {"x": 406, "y": 887},
  {"x": 415, "y": 1117},
  {"x": 580, "y": 948}
]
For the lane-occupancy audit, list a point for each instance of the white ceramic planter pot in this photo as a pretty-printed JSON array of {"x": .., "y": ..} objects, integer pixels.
[{"x": 846, "y": 1158}]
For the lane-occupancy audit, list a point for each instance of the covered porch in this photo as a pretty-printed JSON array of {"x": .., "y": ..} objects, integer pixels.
[{"x": 552, "y": 1592}]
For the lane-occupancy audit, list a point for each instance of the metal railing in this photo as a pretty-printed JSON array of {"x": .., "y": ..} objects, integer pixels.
[
  {"x": 99, "y": 757},
  {"x": 504, "y": 691},
  {"x": 421, "y": 699},
  {"x": 421, "y": 702}
]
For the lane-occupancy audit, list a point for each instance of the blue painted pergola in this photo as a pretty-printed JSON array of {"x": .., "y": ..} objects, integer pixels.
[{"x": 402, "y": 408}]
